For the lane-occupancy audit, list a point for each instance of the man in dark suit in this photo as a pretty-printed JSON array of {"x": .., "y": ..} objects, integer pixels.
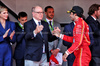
[
  {"x": 55, "y": 46},
  {"x": 20, "y": 42},
  {"x": 94, "y": 13},
  {"x": 37, "y": 36},
  {"x": 68, "y": 30}
]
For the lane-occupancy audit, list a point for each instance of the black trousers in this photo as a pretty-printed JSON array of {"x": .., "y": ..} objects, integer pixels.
[
  {"x": 19, "y": 62},
  {"x": 71, "y": 59},
  {"x": 95, "y": 61}
]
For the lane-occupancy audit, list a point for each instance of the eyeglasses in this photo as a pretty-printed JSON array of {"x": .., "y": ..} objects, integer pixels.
[{"x": 39, "y": 12}]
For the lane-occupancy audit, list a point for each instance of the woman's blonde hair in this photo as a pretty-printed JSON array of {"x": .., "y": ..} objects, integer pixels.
[{"x": 2, "y": 8}]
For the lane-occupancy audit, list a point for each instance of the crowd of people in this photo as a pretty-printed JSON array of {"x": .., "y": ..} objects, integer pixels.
[{"x": 38, "y": 41}]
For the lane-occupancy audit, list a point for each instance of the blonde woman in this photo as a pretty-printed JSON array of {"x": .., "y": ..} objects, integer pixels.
[{"x": 6, "y": 36}]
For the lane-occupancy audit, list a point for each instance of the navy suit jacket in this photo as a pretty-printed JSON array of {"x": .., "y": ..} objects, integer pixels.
[
  {"x": 8, "y": 25},
  {"x": 5, "y": 47},
  {"x": 20, "y": 43},
  {"x": 68, "y": 30},
  {"x": 95, "y": 49},
  {"x": 34, "y": 45}
]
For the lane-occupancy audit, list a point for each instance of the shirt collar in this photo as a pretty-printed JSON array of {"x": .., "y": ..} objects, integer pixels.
[
  {"x": 74, "y": 22},
  {"x": 93, "y": 18},
  {"x": 36, "y": 21},
  {"x": 49, "y": 20}
]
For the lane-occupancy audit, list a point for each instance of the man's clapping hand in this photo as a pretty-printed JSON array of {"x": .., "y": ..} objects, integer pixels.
[
  {"x": 56, "y": 32},
  {"x": 38, "y": 29}
]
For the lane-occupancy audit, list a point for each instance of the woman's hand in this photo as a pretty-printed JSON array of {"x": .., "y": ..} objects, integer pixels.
[
  {"x": 12, "y": 34},
  {"x": 6, "y": 33}
]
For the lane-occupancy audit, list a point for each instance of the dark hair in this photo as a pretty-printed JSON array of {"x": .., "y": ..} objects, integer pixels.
[
  {"x": 79, "y": 14},
  {"x": 47, "y": 8},
  {"x": 22, "y": 14},
  {"x": 93, "y": 8},
  {"x": 77, "y": 10}
]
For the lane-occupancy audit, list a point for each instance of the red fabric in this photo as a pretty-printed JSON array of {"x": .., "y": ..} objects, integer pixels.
[
  {"x": 83, "y": 56},
  {"x": 69, "y": 39},
  {"x": 53, "y": 59}
]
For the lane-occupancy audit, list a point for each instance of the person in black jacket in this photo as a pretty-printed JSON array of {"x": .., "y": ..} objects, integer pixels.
[
  {"x": 68, "y": 30},
  {"x": 37, "y": 36},
  {"x": 20, "y": 40},
  {"x": 94, "y": 13}
]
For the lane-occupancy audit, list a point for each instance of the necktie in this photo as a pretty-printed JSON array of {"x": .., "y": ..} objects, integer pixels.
[
  {"x": 50, "y": 24},
  {"x": 39, "y": 23},
  {"x": 43, "y": 39}
]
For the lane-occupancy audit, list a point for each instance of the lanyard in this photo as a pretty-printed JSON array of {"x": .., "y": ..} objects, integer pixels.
[
  {"x": 49, "y": 25},
  {"x": 20, "y": 25}
]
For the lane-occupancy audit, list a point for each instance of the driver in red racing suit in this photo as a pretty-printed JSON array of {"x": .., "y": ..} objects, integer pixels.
[
  {"x": 81, "y": 43},
  {"x": 80, "y": 39}
]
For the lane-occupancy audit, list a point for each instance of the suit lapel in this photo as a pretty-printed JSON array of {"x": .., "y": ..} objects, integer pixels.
[
  {"x": 54, "y": 25},
  {"x": 34, "y": 27},
  {"x": 6, "y": 27},
  {"x": 72, "y": 26},
  {"x": 2, "y": 29},
  {"x": 33, "y": 24},
  {"x": 43, "y": 29},
  {"x": 93, "y": 21}
]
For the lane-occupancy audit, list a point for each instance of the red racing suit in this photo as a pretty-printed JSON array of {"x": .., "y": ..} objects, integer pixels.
[{"x": 81, "y": 42}]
